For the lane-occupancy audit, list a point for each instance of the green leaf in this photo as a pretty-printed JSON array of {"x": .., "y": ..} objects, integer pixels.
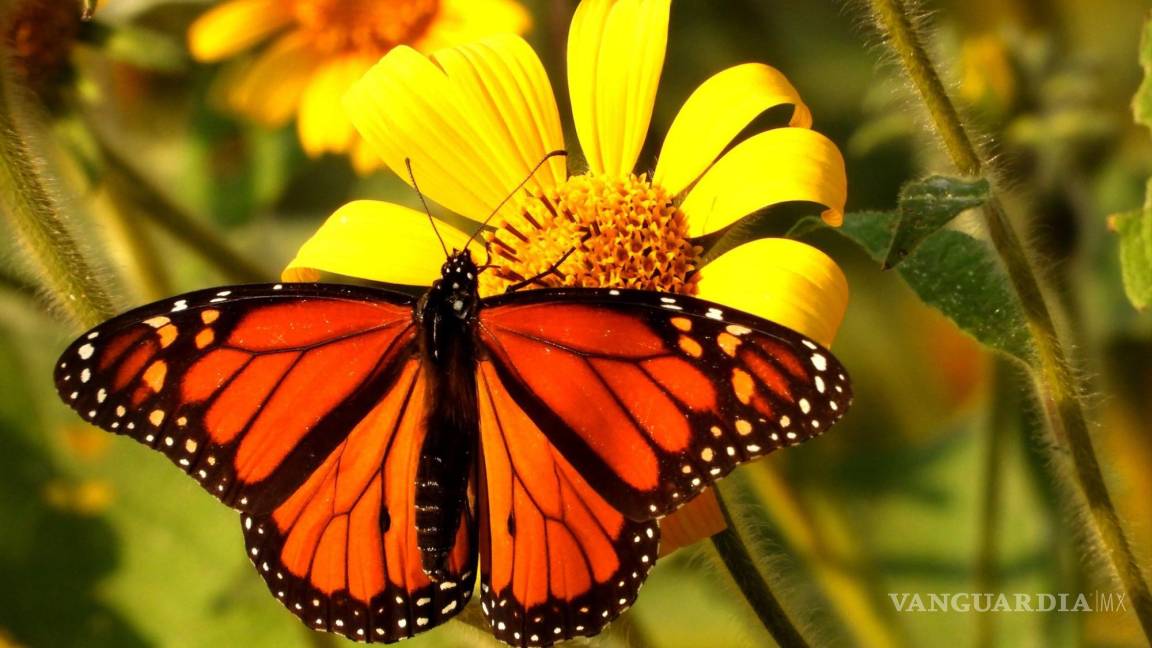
[
  {"x": 955, "y": 274},
  {"x": 1135, "y": 227},
  {"x": 1142, "y": 102},
  {"x": 1135, "y": 231},
  {"x": 928, "y": 205}
]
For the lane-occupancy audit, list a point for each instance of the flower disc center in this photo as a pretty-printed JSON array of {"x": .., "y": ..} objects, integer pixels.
[
  {"x": 372, "y": 26},
  {"x": 617, "y": 232}
]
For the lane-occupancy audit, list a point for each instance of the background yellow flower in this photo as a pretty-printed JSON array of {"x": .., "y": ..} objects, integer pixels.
[{"x": 320, "y": 47}]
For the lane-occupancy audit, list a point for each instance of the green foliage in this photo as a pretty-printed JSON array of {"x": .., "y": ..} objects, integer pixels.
[
  {"x": 1135, "y": 231},
  {"x": 928, "y": 205},
  {"x": 1142, "y": 102},
  {"x": 955, "y": 274},
  {"x": 1135, "y": 228}
]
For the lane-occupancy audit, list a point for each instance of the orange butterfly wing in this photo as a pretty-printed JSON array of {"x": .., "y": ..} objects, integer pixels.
[
  {"x": 341, "y": 552},
  {"x": 246, "y": 389},
  {"x": 653, "y": 397},
  {"x": 557, "y": 560}
]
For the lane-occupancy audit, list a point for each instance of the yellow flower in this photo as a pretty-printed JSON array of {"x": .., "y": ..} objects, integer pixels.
[
  {"x": 322, "y": 46},
  {"x": 475, "y": 120}
]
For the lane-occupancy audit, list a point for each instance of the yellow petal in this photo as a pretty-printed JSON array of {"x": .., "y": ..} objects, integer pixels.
[
  {"x": 235, "y": 26},
  {"x": 464, "y": 21},
  {"x": 716, "y": 113},
  {"x": 472, "y": 129},
  {"x": 364, "y": 159},
  {"x": 268, "y": 90},
  {"x": 322, "y": 123},
  {"x": 776, "y": 166},
  {"x": 502, "y": 79},
  {"x": 378, "y": 241},
  {"x": 782, "y": 280},
  {"x": 615, "y": 55}
]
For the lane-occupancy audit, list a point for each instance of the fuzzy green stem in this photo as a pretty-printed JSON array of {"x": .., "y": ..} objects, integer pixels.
[
  {"x": 1055, "y": 382},
  {"x": 35, "y": 216},
  {"x": 133, "y": 189},
  {"x": 736, "y": 557}
]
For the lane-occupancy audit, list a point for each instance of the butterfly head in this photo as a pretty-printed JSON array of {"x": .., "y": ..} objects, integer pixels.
[{"x": 457, "y": 287}]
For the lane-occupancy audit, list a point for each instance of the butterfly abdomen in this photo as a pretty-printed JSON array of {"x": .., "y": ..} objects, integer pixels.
[{"x": 446, "y": 314}]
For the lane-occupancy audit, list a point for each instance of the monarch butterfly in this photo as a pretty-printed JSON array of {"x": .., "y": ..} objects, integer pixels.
[{"x": 380, "y": 448}]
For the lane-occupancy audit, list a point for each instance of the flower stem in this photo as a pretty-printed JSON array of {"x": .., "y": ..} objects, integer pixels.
[
  {"x": 36, "y": 218},
  {"x": 753, "y": 585},
  {"x": 1057, "y": 385}
]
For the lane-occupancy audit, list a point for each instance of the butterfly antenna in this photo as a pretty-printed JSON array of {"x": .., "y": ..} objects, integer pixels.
[
  {"x": 514, "y": 191},
  {"x": 412, "y": 177}
]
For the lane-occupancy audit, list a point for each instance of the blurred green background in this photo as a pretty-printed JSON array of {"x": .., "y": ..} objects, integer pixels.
[{"x": 934, "y": 483}]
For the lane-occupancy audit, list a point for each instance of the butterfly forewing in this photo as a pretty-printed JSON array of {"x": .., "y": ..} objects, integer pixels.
[
  {"x": 245, "y": 388},
  {"x": 653, "y": 397}
]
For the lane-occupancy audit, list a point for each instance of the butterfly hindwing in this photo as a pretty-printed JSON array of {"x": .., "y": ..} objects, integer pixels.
[
  {"x": 341, "y": 552},
  {"x": 557, "y": 560},
  {"x": 245, "y": 388},
  {"x": 653, "y": 397}
]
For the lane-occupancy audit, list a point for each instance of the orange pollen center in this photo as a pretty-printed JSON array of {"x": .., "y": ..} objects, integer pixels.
[
  {"x": 364, "y": 26},
  {"x": 617, "y": 232}
]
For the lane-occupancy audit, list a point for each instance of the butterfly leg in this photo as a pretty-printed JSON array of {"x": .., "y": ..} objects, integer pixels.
[{"x": 552, "y": 269}]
